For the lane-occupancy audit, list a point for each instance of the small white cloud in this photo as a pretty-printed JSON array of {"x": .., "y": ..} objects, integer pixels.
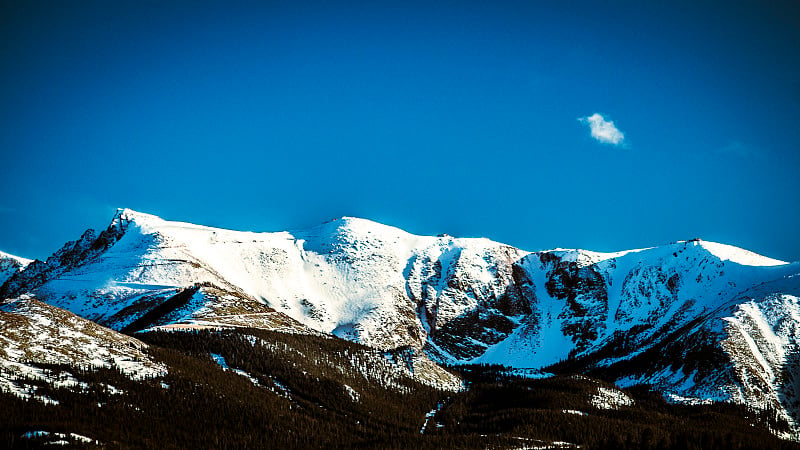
[{"x": 603, "y": 130}]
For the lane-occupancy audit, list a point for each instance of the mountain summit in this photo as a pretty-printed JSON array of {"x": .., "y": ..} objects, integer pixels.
[{"x": 10, "y": 264}]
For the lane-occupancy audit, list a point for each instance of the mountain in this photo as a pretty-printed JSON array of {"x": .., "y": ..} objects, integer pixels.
[
  {"x": 65, "y": 380},
  {"x": 347, "y": 277},
  {"x": 10, "y": 264},
  {"x": 36, "y": 336},
  {"x": 699, "y": 321}
]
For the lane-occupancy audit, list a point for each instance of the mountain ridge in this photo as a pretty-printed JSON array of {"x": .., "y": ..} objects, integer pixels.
[{"x": 637, "y": 316}]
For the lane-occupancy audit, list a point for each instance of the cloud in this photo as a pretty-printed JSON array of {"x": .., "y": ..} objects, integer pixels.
[{"x": 603, "y": 130}]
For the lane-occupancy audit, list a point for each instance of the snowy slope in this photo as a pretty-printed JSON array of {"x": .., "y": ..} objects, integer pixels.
[
  {"x": 462, "y": 298},
  {"x": 459, "y": 300},
  {"x": 10, "y": 264},
  {"x": 34, "y": 335},
  {"x": 747, "y": 352},
  {"x": 350, "y": 277},
  {"x": 586, "y": 300}
]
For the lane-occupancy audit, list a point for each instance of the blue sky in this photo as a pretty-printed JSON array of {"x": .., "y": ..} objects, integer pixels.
[{"x": 460, "y": 118}]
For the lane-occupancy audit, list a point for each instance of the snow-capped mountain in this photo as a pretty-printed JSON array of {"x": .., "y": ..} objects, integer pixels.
[
  {"x": 350, "y": 277},
  {"x": 699, "y": 320}
]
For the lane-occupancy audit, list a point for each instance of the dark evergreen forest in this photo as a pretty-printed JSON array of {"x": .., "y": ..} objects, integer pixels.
[{"x": 320, "y": 392}]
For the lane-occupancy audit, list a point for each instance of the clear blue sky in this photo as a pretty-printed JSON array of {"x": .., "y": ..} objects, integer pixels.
[{"x": 460, "y": 118}]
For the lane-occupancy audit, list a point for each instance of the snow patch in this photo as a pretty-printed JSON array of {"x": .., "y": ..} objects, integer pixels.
[
  {"x": 354, "y": 395},
  {"x": 430, "y": 416},
  {"x": 606, "y": 398},
  {"x": 61, "y": 438},
  {"x": 219, "y": 359},
  {"x": 738, "y": 255}
]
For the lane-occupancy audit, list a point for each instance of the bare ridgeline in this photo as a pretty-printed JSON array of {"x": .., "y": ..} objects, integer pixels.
[{"x": 154, "y": 333}]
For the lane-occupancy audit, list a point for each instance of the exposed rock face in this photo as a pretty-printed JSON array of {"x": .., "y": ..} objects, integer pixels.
[
  {"x": 71, "y": 255},
  {"x": 470, "y": 292},
  {"x": 584, "y": 291}
]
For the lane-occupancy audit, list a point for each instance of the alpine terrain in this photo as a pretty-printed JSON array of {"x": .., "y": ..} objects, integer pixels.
[{"x": 358, "y": 333}]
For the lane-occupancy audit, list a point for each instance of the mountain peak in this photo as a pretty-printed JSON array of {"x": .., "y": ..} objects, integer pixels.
[
  {"x": 20, "y": 260},
  {"x": 124, "y": 216},
  {"x": 354, "y": 227},
  {"x": 10, "y": 264}
]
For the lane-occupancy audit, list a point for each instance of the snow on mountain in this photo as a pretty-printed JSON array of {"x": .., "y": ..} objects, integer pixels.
[
  {"x": 585, "y": 300},
  {"x": 763, "y": 340},
  {"x": 10, "y": 264},
  {"x": 22, "y": 262},
  {"x": 346, "y": 277},
  {"x": 34, "y": 335},
  {"x": 632, "y": 313},
  {"x": 738, "y": 255},
  {"x": 747, "y": 352}
]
